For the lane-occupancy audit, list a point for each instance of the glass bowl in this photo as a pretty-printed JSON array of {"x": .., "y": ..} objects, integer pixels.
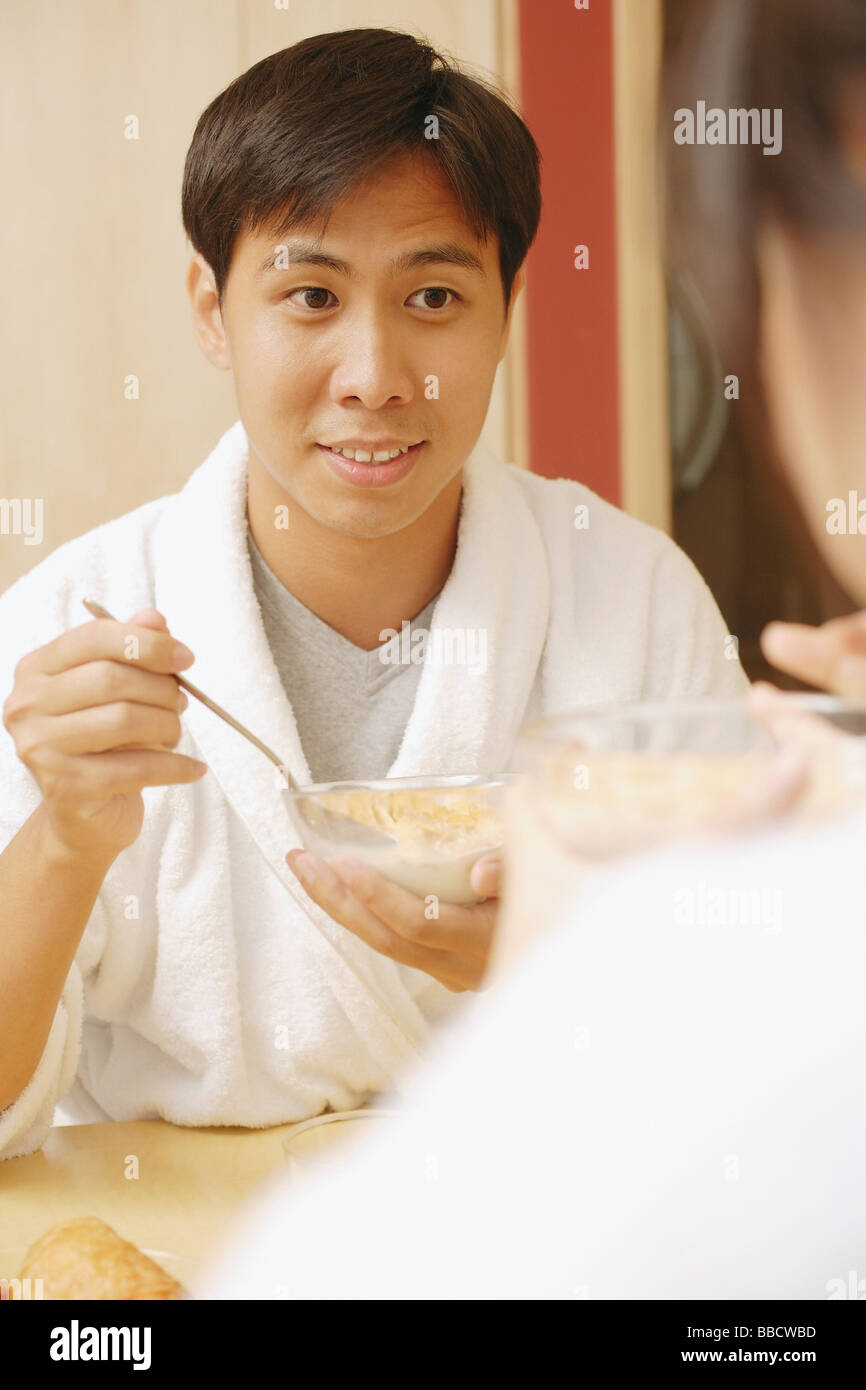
[
  {"x": 309, "y": 1139},
  {"x": 612, "y": 779},
  {"x": 438, "y": 827}
]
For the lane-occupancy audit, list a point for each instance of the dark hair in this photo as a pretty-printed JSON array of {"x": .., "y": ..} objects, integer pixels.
[
  {"x": 793, "y": 55},
  {"x": 806, "y": 58},
  {"x": 292, "y": 135}
]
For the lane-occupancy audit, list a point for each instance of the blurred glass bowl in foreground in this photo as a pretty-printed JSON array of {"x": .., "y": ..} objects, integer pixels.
[
  {"x": 309, "y": 1140},
  {"x": 617, "y": 778},
  {"x": 439, "y": 826}
]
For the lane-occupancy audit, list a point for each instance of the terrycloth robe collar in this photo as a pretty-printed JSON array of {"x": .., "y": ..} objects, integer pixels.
[{"x": 463, "y": 720}]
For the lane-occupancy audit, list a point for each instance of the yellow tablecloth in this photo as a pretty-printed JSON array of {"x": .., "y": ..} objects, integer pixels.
[{"x": 189, "y": 1183}]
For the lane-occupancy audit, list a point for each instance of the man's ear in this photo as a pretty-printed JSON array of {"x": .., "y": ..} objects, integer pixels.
[
  {"x": 207, "y": 319},
  {"x": 517, "y": 285}
]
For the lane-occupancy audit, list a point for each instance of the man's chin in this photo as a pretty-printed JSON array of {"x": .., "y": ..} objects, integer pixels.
[
  {"x": 365, "y": 513},
  {"x": 369, "y": 519}
]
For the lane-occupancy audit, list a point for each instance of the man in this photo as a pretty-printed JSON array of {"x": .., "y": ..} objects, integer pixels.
[{"x": 358, "y": 278}]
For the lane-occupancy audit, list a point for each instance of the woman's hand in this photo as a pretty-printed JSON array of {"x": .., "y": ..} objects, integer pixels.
[
  {"x": 452, "y": 946},
  {"x": 831, "y": 657}
]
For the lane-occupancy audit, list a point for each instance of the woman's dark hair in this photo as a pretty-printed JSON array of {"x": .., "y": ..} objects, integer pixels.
[
  {"x": 804, "y": 58},
  {"x": 284, "y": 142}
]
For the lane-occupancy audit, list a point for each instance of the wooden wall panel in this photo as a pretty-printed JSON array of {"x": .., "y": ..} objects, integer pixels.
[{"x": 645, "y": 469}]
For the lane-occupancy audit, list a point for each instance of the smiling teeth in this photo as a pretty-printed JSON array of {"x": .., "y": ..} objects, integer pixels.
[{"x": 364, "y": 455}]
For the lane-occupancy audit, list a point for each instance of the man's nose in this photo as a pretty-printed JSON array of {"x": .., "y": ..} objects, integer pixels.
[{"x": 374, "y": 367}]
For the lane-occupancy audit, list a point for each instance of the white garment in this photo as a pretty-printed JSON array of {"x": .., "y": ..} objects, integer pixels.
[
  {"x": 212, "y": 990},
  {"x": 663, "y": 1100}
]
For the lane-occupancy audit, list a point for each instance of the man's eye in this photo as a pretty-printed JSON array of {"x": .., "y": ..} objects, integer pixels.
[
  {"x": 318, "y": 302},
  {"x": 436, "y": 302}
]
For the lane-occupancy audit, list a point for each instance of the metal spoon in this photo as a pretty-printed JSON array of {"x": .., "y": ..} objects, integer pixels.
[{"x": 330, "y": 823}]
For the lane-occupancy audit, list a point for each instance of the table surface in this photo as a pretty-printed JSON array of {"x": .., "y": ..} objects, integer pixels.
[{"x": 188, "y": 1186}]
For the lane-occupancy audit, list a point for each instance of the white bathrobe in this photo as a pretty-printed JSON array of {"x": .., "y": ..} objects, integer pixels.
[{"x": 208, "y": 988}]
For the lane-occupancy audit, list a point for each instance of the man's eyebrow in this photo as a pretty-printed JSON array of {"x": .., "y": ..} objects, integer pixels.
[
  {"x": 303, "y": 253},
  {"x": 443, "y": 253}
]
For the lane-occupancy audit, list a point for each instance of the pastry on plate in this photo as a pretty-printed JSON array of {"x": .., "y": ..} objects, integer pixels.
[{"x": 86, "y": 1258}]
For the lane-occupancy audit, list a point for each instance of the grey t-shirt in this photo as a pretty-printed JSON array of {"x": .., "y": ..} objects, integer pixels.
[{"x": 350, "y": 706}]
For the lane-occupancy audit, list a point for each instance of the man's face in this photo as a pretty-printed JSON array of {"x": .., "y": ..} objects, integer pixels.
[{"x": 390, "y": 343}]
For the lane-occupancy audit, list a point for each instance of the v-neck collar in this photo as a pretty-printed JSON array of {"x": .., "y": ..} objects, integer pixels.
[
  {"x": 285, "y": 607},
  {"x": 204, "y": 585}
]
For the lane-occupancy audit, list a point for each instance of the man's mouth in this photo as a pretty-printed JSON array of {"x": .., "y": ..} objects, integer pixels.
[
  {"x": 375, "y": 464},
  {"x": 381, "y": 452}
]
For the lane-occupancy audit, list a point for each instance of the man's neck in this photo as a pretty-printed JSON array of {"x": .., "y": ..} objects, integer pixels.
[{"x": 358, "y": 586}]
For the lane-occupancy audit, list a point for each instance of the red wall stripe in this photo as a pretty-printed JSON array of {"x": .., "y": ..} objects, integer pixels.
[{"x": 567, "y": 101}]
